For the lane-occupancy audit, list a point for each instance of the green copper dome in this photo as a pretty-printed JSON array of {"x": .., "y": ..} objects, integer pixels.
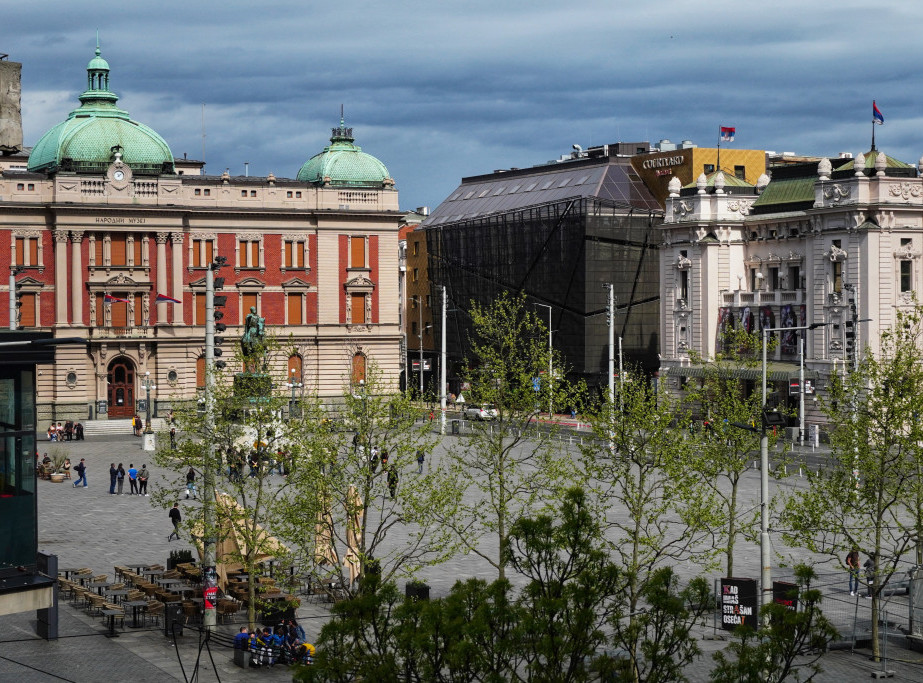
[
  {"x": 87, "y": 141},
  {"x": 344, "y": 164}
]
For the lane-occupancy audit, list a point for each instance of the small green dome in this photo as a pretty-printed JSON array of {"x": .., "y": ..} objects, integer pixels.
[
  {"x": 87, "y": 141},
  {"x": 344, "y": 164}
]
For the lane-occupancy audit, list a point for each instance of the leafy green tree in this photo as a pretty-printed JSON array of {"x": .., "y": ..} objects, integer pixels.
[
  {"x": 246, "y": 429},
  {"x": 789, "y": 646},
  {"x": 353, "y": 501},
  {"x": 571, "y": 589},
  {"x": 511, "y": 465},
  {"x": 653, "y": 500},
  {"x": 724, "y": 453},
  {"x": 866, "y": 496}
]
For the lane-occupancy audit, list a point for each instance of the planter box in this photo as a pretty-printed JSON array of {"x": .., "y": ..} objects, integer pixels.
[{"x": 58, "y": 477}]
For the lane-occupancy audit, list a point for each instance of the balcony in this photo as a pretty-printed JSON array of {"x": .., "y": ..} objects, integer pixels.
[
  {"x": 779, "y": 297},
  {"x": 140, "y": 332}
]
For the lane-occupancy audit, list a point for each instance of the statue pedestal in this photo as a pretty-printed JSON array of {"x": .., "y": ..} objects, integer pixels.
[{"x": 148, "y": 441}]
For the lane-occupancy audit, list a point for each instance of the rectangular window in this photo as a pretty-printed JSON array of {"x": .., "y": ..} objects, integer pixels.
[
  {"x": 837, "y": 276},
  {"x": 203, "y": 252},
  {"x": 293, "y": 302},
  {"x": 249, "y": 254},
  {"x": 416, "y": 248},
  {"x": 248, "y": 300},
  {"x": 252, "y": 193},
  {"x": 27, "y": 251},
  {"x": 100, "y": 310},
  {"x": 740, "y": 172},
  {"x": 293, "y": 254},
  {"x": 708, "y": 168},
  {"x": 138, "y": 261},
  {"x": 243, "y": 193},
  {"x": 357, "y": 252},
  {"x": 208, "y": 193},
  {"x": 27, "y": 311},
  {"x": 297, "y": 195},
  {"x": 139, "y": 312},
  {"x": 98, "y": 251},
  {"x": 198, "y": 192},
  {"x": 794, "y": 277},
  {"x": 118, "y": 251},
  {"x": 416, "y": 274},
  {"x": 199, "y": 308},
  {"x": 119, "y": 311},
  {"x": 357, "y": 316},
  {"x": 774, "y": 278},
  {"x": 288, "y": 194},
  {"x": 684, "y": 285},
  {"x": 906, "y": 276},
  {"x": 413, "y": 328}
]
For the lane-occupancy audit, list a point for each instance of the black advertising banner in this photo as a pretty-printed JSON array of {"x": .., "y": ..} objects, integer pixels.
[
  {"x": 786, "y": 594},
  {"x": 738, "y": 603}
]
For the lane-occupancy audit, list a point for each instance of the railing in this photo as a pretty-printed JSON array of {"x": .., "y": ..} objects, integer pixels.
[{"x": 132, "y": 332}]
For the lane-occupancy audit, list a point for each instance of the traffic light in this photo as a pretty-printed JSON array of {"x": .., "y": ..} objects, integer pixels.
[
  {"x": 219, "y": 302},
  {"x": 850, "y": 330}
]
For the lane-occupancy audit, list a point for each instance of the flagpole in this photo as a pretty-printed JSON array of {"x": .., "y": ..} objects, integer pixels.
[
  {"x": 873, "y": 125},
  {"x": 718, "y": 165}
]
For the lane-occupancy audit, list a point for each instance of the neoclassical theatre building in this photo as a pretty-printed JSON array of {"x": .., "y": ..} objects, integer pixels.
[{"x": 100, "y": 218}]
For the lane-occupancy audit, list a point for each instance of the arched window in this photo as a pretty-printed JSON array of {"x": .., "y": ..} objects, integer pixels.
[
  {"x": 200, "y": 372},
  {"x": 358, "y": 369},
  {"x": 295, "y": 368}
]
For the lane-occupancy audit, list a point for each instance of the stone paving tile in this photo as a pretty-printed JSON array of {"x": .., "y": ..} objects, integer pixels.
[{"x": 88, "y": 527}]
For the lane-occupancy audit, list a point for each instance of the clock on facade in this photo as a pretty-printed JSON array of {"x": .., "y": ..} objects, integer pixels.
[{"x": 118, "y": 175}]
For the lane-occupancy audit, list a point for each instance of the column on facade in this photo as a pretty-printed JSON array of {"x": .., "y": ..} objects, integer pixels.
[
  {"x": 76, "y": 278},
  {"x": 162, "y": 238},
  {"x": 60, "y": 277},
  {"x": 177, "y": 293}
]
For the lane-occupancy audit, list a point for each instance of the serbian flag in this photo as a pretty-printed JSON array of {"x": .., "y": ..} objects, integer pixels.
[
  {"x": 164, "y": 299},
  {"x": 727, "y": 134},
  {"x": 876, "y": 115},
  {"x": 109, "y": 299}
]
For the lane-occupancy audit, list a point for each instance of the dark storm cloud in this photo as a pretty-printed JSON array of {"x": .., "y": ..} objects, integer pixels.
[{"x": 438, "y": 91}]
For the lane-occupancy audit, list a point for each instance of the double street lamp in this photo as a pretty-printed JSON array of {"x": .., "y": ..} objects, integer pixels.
[
  {"x": 293, "y": 384},
  {"x": 773, "y": 419}
]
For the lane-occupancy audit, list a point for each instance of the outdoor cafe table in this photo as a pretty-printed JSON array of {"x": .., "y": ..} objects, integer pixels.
[
  {"x": 119, "y": 593},
  {"x": 67, "y": 571},
  {"x": 137, "y": 567},
  {"x": 110, "y": 615},
  {"x": 151, "y": 573},
  {"x": 99, "y": 585},
  {"x": 166, "y": 583},
  {"x": 136, "y": 606}
]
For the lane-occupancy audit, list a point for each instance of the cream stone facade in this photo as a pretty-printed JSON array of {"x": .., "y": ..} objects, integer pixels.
[
  {"x": 833, "y": 241},
  {"x": 94, "y": 240}
]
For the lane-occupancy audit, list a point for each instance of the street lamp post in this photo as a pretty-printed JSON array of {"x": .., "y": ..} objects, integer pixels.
[
  {"x": 419, "y": 301},
  {"x": 766, "y": 574},
  {"x": 550, "y": 366},
  {"x": 148, "y": 443},
  {"x": 293, "y": 385}
]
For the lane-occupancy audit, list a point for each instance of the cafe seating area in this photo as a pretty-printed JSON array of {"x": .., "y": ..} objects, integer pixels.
[{"x": 137, "y": 595}]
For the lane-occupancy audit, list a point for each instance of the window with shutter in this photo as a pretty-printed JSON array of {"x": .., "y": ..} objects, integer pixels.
[
  {"x": 199, "y": 309},
  {"x": 119, "y": 312},
  {"x": 98, "y": 251},
  {"x": 138, "y": 260},
  {"x": 27, "y": 311},
  {"x": 139, "y": 311},
  {"x": 196, "y": 253},
  {"x": 200, "y": 372},
  {"x": 357, "y": 252},
  {"x": 100, "y": 309},
  {"x": 117, "y": 250},
  {"x": 248, "y": 300},
  {"x": 294, "y": 309},
  {"x": 358, "y": 309}
]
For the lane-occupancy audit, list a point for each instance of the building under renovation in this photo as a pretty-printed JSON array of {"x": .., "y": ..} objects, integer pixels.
[{"x": 557, "y": 232}]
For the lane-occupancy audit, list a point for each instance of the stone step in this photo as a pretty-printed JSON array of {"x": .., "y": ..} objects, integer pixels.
[{"x": 120, "y": 426}]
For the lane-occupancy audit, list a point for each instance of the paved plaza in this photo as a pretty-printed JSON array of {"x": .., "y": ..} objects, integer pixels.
[{"x": 90, "y": 528}]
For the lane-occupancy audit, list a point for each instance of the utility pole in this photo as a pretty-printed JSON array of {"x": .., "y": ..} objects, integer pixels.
[
  {"x": 550, "y": 366},
  {"x": 442, "y": 361},
  {"x": 610, "y": 321},
  {"x": 14, "y": 301},
  {"x": 209, "y": 576}
]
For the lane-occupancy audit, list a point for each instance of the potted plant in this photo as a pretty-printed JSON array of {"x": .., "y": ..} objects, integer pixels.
[{"x": 58, "y": 456}]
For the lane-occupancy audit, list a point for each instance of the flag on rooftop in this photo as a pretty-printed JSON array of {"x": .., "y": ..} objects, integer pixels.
[
  {"x": 109, "y": 299},
  {"x": 727, "y": 134},
  {"x": 876, "y": 115},
  {"x": 164, "y": 299}
]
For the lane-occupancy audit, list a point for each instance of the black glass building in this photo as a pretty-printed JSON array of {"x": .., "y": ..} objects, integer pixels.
[{"x": 557, "y": 232}]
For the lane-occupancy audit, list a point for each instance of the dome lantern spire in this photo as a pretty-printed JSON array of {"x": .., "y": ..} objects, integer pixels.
[{"x": 98, "y": 80}]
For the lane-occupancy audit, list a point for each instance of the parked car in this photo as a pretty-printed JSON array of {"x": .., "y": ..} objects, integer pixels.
[{"x": 485, "y": 411}]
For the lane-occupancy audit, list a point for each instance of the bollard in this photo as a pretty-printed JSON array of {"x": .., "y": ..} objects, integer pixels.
[{"x": 799, "y": 471}]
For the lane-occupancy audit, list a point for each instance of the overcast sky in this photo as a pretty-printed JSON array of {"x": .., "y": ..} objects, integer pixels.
[{"x": 439, "y": 91}]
